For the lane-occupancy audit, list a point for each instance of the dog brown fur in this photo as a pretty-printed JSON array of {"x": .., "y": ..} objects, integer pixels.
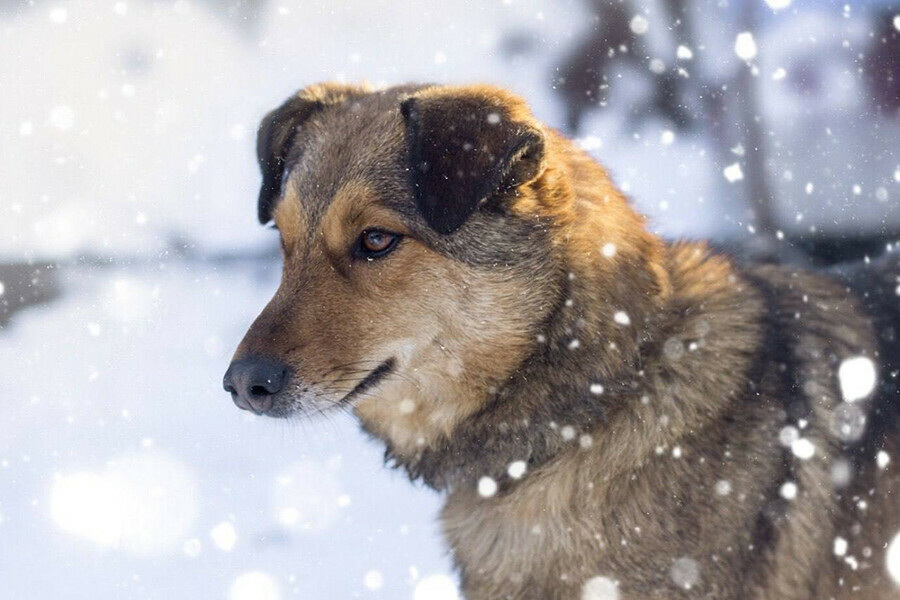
[{"x": 485, "y": 337}]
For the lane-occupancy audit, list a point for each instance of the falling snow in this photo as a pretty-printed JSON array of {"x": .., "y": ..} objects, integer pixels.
[
  {"x": 803, "y": 448},
  {"x": 733, "y": 172},
  {"x": 639, "y": 24},
  {"x": 858, "y": 377},
  {"x": 621, "y": 317},
  {"x": 517, "y": 469},
  {"x": 600, "y": 588},
  {"x": 608, "y": 250},
  {"x": 685, "y": 572},
  {"x": 487, "y": 487},
  {"x": 254, "y": 585},
  {"x": 745, "y": 46}
]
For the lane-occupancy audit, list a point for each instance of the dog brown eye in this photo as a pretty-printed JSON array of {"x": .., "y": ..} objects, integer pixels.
[{"x": 374, "y": 243}]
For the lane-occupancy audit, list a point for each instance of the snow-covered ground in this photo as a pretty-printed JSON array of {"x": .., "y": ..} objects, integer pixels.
[{"x": 127, "y": 472}]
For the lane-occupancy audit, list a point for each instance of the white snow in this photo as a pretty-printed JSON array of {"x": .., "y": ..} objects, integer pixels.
[
  {"x": 788, "y": 435},
  {"x": 882, "y": 459},
  {"x": 608, "y": 250},
  {"x": 840, "y": 546},
  {"x": 788, "y": 490},
  {"x": 684, "y": 53},
  {"x": 803, "y": 448},
  {"x": 306, "y": 496},
  {"x": 254, "y": 585},
  {"x": 745, "y": 46},
  {"x": 685, "y": 572},
  {"x": 733, "y": 172},
  {"x": 639, "y": 24},
  {"x": 517, "y": 469},
  {"x": 436, "y": 587},
  {"x": 778, "y": 4},
  {"x": 487, "y": 487},
  {"x": 142, "y": 503},
  {"x": 59, "y": 14},
  {"x": 892, "y": 559},
  {"x": 373, "y": 580},
  {"x": 723, "y": 487},
  {"x": 224, "y": 536},
  {"x": 192, "y": 547},
  {"x": 600, "y": 588},
  {"x": 621, "y": 317},
  {"x": 596, "y": 388},
  {"x": 858, "y": 378}
]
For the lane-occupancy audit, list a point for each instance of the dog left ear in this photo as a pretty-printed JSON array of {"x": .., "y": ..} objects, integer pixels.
[
  {"x": 278, "y": 129},
  {"x": 466, "y": 148}
]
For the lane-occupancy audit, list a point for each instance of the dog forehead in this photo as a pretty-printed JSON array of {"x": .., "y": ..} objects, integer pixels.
[{"x": 360, "y": 141}]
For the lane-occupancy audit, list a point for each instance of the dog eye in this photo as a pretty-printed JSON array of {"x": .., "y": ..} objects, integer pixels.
[{"x": 374, "y": 243}]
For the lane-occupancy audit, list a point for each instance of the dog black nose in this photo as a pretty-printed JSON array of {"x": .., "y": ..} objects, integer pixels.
[{"x": 253, "y": 381}]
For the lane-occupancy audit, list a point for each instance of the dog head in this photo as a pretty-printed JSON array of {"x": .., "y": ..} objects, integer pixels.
[{"x": 421, "y": 255}]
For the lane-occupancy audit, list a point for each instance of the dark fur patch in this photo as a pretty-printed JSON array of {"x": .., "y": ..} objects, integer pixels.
[
  {"x": 463, "y": 150},
  {"x": 273, "y": 142}
]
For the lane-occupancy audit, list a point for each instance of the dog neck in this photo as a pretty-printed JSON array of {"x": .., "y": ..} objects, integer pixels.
[{"x": 586, "y": 356}]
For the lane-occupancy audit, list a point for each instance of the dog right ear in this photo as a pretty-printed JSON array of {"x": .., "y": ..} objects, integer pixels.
[{"x": 278, "y": 129}]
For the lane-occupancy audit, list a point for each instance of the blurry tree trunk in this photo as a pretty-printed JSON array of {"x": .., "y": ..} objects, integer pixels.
[{"x": 759, "y": 192}]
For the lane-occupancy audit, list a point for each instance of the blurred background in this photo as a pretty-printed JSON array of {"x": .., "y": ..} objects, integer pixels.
[{"x": 131, "y": 262}]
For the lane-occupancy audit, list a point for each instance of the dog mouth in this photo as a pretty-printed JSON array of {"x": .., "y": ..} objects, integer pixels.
[{"x": 374, "y": 377}]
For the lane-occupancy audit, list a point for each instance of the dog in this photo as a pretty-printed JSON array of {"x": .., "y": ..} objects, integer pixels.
[{"x": 608, "y": 414}]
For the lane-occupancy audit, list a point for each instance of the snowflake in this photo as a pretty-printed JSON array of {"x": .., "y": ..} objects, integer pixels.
[
  {"x": 639, "y": 25},
  {"x": 745, "y": 46},
  {"x": 857, "y": 377},
  {"x": 733, "y": 172},
  {"x": 789, "y": 490},
  {"x": 803, "y": 448},
  {"x": 778, "y": 4},
  {"x": 516, "y": 469},
  {"x": 254, "y": 585},
  {"x": 685, "y": 572},
  {"x": 487, "y": 487},
  {"x": 373, "y": 580},
  {"x": 223, "y": 536},
  {"x": 600, "y": 588},
  {"x": 893, "y": 559}
]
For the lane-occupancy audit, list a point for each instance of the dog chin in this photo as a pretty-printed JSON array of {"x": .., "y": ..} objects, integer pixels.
[{"x": 301, "y": 405}]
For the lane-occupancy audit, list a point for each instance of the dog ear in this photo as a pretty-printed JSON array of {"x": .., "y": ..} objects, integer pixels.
[
  {"x": 273, "y": 141},
  {"x": 278, "y": 129},
  {"x": 466, "y": 148}
]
